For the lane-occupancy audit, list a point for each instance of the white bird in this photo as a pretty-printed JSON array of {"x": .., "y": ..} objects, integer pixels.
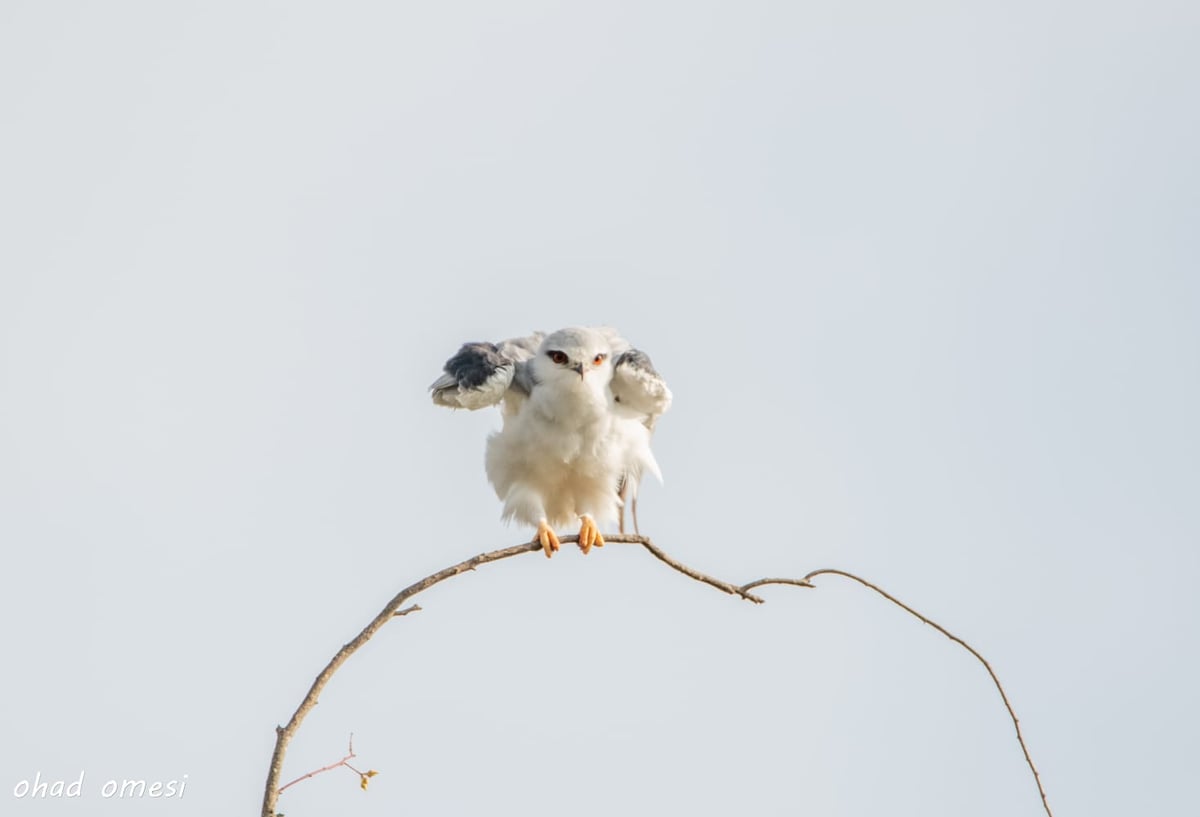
[{"x": 579, "y": 406}]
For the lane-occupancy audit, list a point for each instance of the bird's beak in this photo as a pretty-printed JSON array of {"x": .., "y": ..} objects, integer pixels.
[{"x": 578, "y": 367}]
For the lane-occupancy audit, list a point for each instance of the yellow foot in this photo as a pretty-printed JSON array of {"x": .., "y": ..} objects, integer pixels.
[
  {"x": 589, "y": 535},
  {"x": 547, "y": 538}
]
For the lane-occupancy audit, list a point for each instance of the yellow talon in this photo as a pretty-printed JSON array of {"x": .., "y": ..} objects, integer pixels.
[
  {"x": 547, "y": 538},
  {"x": 589, "y": 535}
]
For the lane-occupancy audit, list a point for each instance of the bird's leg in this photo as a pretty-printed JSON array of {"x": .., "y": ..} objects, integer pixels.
[
  {"x": 589, "y": 534},
  {"x": 547, "y": 538},
  {"x": 622, "y": 494},
  {"x": 633, "y": 512}
]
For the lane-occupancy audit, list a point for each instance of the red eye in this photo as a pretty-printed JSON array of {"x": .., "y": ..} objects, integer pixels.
[
  {"x": 558, "y": 357},
  {"x": 597, "y": 360}
]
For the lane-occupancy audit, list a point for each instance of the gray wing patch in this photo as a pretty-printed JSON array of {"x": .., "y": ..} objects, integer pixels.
[
  {"x": 482, "y": 373},
  {"x": 636, "y": 359},
  {"x": 523, "y": 380},
  {"x": 476, "y": 377},
  {"x": 521, "y": 348},
  {"x": 638, "y": 386}
]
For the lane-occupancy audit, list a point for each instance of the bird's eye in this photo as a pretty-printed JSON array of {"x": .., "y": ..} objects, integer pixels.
[
  {"x": 558, "y": 357},
  {"x": 597, "y": 360}
]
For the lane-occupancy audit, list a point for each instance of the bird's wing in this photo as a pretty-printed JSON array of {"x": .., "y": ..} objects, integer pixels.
[
  {"x": 481, "y": 374},
  {"x": 640, "y": 390},
  {"x": 638, "y": 386}
]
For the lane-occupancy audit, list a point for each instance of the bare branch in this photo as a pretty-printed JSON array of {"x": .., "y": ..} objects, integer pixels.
[
  {"x": 806, "y": 582},
  {"x": 284, "y": 734},
  {"x": 793, "y": 582},
  {"x": 731, "y": 589}
]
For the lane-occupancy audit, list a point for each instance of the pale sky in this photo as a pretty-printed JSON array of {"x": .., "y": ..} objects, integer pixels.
[{"x": 922, "y": 277}]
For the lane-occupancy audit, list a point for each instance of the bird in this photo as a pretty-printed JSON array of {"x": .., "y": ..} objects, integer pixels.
[{"x": 579, "y": 407}]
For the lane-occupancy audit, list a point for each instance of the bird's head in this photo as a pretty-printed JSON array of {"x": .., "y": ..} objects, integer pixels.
[{"x": 576, "y": 357}]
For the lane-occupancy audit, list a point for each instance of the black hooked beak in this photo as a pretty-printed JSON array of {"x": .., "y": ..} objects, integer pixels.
[{"x": 578, "y": 367}]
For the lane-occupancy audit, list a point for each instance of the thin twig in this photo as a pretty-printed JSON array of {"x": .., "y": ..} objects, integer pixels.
[
  {"x": 806, "y": 582},
  {"x": 284, "y": 734},
  {"x": 793, "y": 582},
  {"x": 343, "y": 762}
]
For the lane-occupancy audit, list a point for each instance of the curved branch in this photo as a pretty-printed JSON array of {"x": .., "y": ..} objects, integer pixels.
[
  {"x": 284, "y": 734},
  {"x": 806, "y": 582}
]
